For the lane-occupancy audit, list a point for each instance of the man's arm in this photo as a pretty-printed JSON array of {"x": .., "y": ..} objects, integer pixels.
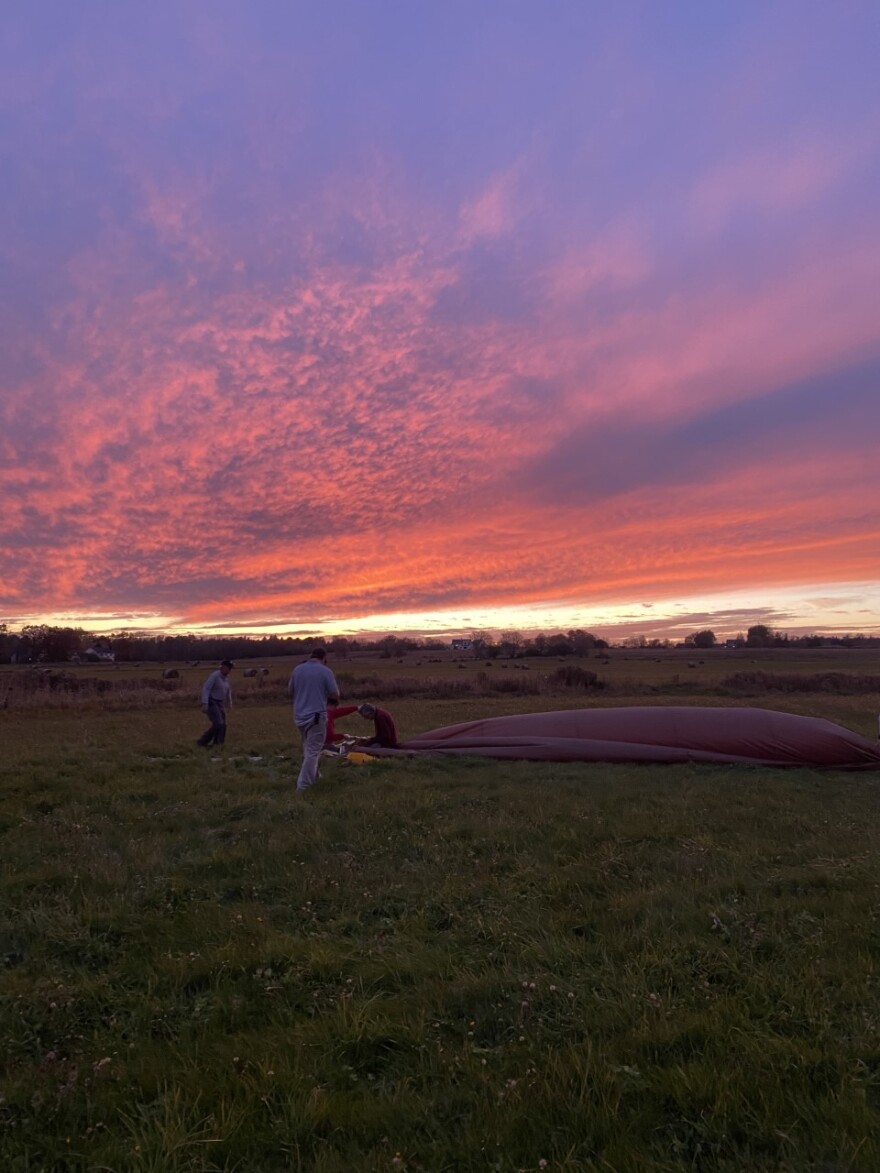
[
  {"x": 206, "y": 690},
  {"x": 341, "y": 711}
]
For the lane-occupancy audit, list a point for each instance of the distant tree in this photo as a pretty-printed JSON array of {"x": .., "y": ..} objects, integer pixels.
[
  {"x": 480, "y": 640},
  {"x": 557, "y": 645},
  {"x": 57, "y": 644},
  {"x": 394, "y": 645},
  {"x": 704, "y": 639},
  {"x": 389, "y": 646},
  {"x": 759, "y": 636},
  {"x": 123, "y": 646},
  {"x": 582, "y": 642},
  {"x": 30, "y": 641}
]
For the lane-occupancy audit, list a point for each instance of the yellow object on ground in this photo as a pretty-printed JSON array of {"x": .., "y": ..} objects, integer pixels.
[{"x": 359, "y": 759}]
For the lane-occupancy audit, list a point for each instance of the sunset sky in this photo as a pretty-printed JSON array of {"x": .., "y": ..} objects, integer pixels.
[{"x": 433, "y": 316}]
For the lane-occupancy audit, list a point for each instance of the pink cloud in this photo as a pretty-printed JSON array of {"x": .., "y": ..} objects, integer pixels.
[
  {"x": 493, "y": 211},
  {"x": 774, "y": 181},
  {"x": 209, "y": 448}
]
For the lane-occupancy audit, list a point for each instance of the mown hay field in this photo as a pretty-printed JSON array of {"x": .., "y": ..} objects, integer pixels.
[{"x": 432, "y": 965}]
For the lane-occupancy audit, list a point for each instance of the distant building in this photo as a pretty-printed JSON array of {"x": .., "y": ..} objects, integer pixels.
[
  {"x": 734, "y": 643},
  {"x": 462, "y": 645},
  {"x": 97, "y": 655}
]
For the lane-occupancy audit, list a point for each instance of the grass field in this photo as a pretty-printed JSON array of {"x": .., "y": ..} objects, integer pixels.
[{"x": 433, "y": 965}]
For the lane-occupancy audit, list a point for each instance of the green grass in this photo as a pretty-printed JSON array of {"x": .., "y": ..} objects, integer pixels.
[{"x": 432, "y": 965}]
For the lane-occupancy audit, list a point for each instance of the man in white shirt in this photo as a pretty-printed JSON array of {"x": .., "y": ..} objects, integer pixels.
[
  {"x": 216, "y": 698},
  {"x": 312, "y": 688}
]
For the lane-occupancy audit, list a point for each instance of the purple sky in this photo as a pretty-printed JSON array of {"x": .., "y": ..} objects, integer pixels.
[{"x": 423, "y": 316}]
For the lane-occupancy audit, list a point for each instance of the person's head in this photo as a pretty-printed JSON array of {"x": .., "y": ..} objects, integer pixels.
[
  {"x": 226, "y": 666},
  {"x": 318, "y": 654},
  {"x": 367, "y": 711}
]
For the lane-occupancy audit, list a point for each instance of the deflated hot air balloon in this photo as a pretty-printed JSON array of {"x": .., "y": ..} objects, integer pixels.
[{"x": 737, "y": 736}]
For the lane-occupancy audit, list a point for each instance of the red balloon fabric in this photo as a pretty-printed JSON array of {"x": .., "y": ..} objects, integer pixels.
[{"x": 741, "y": 736}]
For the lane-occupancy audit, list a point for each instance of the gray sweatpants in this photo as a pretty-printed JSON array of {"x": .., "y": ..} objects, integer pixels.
[
  {"x": 217, "y": 717},
  {"x": 313, "y": 734}
]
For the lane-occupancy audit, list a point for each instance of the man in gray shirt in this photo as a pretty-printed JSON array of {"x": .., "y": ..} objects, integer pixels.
[
  {"x": 313, "y": 687},
  {"x": 216, "y": 698}
]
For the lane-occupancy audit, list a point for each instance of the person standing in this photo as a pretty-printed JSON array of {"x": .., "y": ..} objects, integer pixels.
[
  {"x": 313, "y": 689},
  {"x": 216, "y": 698}
]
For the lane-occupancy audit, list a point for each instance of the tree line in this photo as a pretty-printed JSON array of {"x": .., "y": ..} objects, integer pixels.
[
  {"x": 761, "y": 636},
  {"x": 41, "y": 643}
]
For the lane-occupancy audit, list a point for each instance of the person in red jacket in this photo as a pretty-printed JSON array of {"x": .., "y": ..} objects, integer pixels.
[
  {"x": 385, "y": 733},
  {"x": 333, "y": 715}
]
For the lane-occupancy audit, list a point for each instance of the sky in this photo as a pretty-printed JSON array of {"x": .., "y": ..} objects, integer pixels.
[{"x": 440, "y": 316}]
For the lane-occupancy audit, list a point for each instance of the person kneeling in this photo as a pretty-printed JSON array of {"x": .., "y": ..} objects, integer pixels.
[{"x": 385, "y": 733}]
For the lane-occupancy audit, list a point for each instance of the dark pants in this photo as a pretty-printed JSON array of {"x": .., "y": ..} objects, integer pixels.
[{"x": 217, "y": 732}]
